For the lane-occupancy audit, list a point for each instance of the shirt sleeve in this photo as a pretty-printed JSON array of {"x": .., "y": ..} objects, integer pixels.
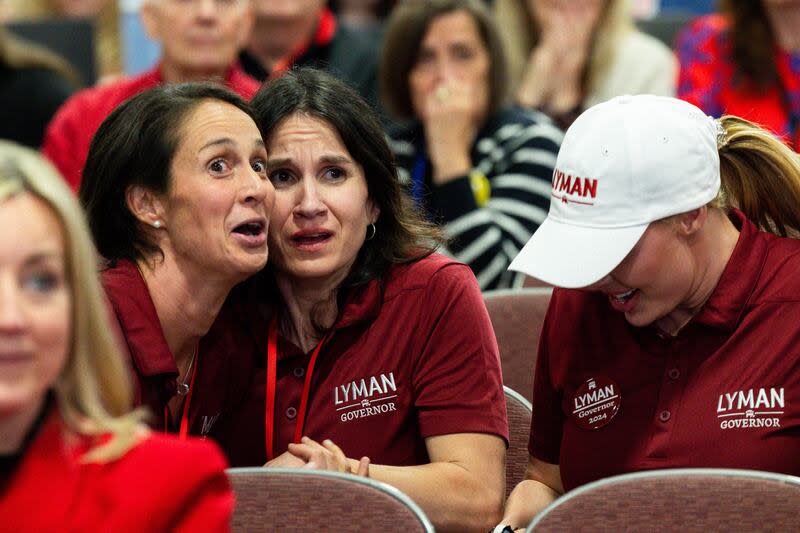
[
  {"x": 518, "y": 161},
  {"x": 457, "y": 382},
  {"x": 699, "y": 49},
  {"x": 548, "y": 419}
]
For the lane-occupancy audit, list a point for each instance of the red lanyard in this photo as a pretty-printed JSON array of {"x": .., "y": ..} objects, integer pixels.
[
  {"x": 184, "y": 430},
  {"x": 272, "y": 364}
]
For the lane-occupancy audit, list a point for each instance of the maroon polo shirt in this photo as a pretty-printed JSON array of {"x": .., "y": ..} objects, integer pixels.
[
  {"x": 724, "y": 393},
  {"x": 221, "y": 377},
  {"x": 410, "y": 357}
]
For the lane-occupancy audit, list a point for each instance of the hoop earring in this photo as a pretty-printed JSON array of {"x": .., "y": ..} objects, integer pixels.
[{"x": 371, "y": 236}]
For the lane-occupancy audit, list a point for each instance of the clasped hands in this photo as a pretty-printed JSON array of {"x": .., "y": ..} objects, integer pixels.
[{"x": 319, "y": 456}]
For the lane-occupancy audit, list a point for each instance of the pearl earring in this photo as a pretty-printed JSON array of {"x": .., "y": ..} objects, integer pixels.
[{"x": 157, "y": 224}]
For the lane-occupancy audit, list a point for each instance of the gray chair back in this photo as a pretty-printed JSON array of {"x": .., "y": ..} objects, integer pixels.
[
  {"x": 293, "y": 500},
  {"x": 693, "y": 500},
  {"x": 518, "y": 410},
  {"x": 517, "y": 316}
]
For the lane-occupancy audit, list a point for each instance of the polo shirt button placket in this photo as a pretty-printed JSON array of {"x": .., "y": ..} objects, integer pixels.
[
  {"x": 664, "y": 415},
  {"x": 299, "y": 372},
  {"x": 291, "y": 412},
  {"x": 674, "y": 374}
]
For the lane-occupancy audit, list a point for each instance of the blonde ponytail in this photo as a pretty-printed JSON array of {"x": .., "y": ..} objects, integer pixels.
[{"x": 760, "y": 176}]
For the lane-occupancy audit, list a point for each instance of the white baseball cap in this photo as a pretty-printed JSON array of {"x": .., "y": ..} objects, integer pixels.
[{"x": 623, "y": 164}]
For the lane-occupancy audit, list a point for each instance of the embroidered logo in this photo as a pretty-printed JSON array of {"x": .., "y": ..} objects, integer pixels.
[
  {"x": 574, "y": 189},
  {"x": 753, "y": 408},
  {"x": 365, "y": 397}
]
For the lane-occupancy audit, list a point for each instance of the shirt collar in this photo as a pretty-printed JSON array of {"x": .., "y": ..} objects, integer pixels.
[
  {"x": 724, "y": 308},
  {"x": 136, "y": 313},
  {"x": 362, "y": 306}
]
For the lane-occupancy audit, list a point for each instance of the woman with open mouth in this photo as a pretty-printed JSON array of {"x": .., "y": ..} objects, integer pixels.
[
  {"x": 681, "y": 348},
  {"x": 379, "y": 358},
  {"x": 178, "y": 200}
]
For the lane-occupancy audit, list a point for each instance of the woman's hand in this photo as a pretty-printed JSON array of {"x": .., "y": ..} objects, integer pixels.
[
  {"x": 326, "y": 456},
  {"x": 541, "y": 486},
  {"x": 451, "y": 116},
  {"x": 286, "y": 460},
  {"x": 555, "y": 67}
]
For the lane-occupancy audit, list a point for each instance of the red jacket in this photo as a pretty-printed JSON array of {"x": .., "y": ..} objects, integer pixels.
[
  {"x": 69, "y": 134},
  {"x": 161, "y": 484}
]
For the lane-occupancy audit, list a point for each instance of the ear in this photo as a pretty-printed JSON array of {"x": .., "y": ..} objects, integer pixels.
[
  {"x": 149, "y": 15},
  {"x": 144, "y": 205},
  {"x": 691, "y": 222},
  {"x": 373, "y": 211}
]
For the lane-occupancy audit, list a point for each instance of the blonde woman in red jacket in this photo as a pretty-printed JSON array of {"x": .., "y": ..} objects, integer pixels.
[{"x": 67, "y": 432}]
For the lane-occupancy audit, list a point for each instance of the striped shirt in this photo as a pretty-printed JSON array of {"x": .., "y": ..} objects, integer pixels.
[{"x": 516, "y": 151}]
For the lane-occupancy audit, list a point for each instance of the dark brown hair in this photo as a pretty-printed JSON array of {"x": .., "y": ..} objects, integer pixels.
[
  {"x": 405, "y": 31},
  {"x": 135, "y": 145},
  {"x": 402, "y": 235},
  {"x": 752, "y": 42}
]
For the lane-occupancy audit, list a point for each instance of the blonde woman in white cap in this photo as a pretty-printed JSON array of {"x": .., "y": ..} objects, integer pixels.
[{"x": 682, "y": 349}]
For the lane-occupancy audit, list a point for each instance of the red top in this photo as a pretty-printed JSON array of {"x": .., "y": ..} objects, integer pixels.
[
  {"x": 724, "y": 393},
  {"x": 220, "y": 377},
  {"x": 708, "y": 79},
  {"x": 160, "y": 485},
  {"x": 409, "y": 358},
  {"x": 69, "y": 134}
]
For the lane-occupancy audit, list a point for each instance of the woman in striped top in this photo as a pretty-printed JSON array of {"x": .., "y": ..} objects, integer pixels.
[{"x": 480, "y": 169}]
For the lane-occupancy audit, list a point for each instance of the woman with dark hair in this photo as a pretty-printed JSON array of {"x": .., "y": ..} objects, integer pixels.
[
  {"x": 378, "y": 344},
  {"x": 178, "y": 201},
  {"x": 745, "y": 61},
  {"x": 481, "y": 169}
]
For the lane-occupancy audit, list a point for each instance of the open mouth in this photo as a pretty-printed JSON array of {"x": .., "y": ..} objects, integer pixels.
[
  {"x": 624, "y": 296},
  {"x": 250, "y": 229},
  {"x": 308, "y": 239},
  {"x": 624, "y": 301}
]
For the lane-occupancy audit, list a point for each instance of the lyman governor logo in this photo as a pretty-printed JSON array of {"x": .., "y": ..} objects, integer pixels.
[
  {"x": 366, "y": 397},
  {"x": 752, "y": 408}
]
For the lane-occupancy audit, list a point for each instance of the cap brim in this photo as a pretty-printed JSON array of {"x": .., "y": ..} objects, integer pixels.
[{"x": 574, "y": 256}]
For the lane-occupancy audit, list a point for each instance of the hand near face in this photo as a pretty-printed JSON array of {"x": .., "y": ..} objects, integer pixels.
[
  {"x": 325, "y": 456},
  {"x": 555, "y": 68},
  {"x": 450, "y": 121},
  {"x": 567, "y": 25},
  {"x": 450, "y": 91}
]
